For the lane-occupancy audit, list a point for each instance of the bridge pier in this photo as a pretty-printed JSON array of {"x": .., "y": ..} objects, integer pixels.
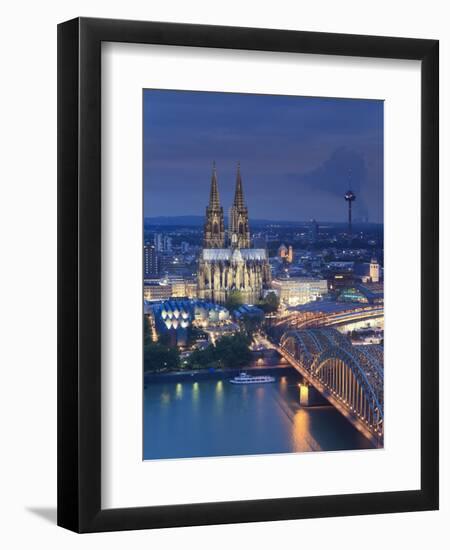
[
  {"x": 309, "y": 396},
  {"x": 305, "y": 392}
]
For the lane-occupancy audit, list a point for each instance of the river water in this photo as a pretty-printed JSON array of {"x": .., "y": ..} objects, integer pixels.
[{"x": 216, "y": 418}]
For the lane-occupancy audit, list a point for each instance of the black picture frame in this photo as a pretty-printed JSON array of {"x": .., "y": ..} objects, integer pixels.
[{"x": 79, "y": 274}]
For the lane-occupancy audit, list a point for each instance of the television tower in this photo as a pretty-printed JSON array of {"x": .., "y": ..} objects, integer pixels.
[{"x": 350, "y": 197}]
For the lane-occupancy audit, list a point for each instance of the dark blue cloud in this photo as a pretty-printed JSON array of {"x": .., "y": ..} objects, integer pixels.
[{"x": 295, "y": 153}]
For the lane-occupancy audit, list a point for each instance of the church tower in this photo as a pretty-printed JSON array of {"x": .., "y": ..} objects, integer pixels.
[
  {"x": 374, "y": 270},
  {"x": 236, "y": 267},
  {"x": 214, "y": 233},
  {"x": 238, "y": 223}
]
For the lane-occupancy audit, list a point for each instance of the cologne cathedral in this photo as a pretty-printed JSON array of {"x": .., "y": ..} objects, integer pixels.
[{"x": 228, "y": 262}]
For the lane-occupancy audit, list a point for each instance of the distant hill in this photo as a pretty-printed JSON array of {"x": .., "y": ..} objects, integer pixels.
[
  {"x": 197, "y": 221},
  {"x": 200, "y": 220},
  {"x": 175, "y": 220}
]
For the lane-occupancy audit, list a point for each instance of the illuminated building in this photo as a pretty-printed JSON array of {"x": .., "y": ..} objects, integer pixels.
[
  {"x": 290, "y": 254},
  {"x": 171, "y": 287},
  {"x": 282, "y": 251},
  {"x": 286, "y": 254},
  {"x": 345, "y": 315},
  {"x": 191, "y": 289},
  {"x": 374, "y": 270},
  {"x": 182, "y": 288},
  {"x": 174, "y": 317},
  {"x": 225, "y": 267},
  {"x": 178, "y": 288},
  {"x": 362, "y": 294},
  {"x": 176, "y": 313},
  {"x": 299, "y": 290},
  {"x": 150, "y": 261},
  {"x": 156, "y": 290}
]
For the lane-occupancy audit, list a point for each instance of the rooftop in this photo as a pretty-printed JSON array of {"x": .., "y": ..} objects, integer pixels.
[
  {"x": 225, "y": 254},
  {"x": 325, "y": 306}
]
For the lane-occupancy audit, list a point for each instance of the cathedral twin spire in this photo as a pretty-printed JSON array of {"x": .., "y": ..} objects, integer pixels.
[
  {"x": 238, "y": 223},
  {"x": 214, "y": 199},
  {"x": 214, "y": 234},
  {"x": 226, "y": 264},
  {"x": 239, "y": 193}
]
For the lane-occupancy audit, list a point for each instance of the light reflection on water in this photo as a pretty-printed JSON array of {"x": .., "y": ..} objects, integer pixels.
[
  {"x": 179, "y": 390},
  {"x": 217, "y": 418},
  {"x": 302, "y": 439},
  {"x": 195, "y": 392},
  {"x": 165, "y": 398}
]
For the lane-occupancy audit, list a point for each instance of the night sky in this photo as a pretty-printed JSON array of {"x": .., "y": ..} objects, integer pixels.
[{"x": 297, "y": 154}]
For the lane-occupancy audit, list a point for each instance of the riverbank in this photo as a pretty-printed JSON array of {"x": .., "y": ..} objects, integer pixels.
[{"x": 217, "y": 374}]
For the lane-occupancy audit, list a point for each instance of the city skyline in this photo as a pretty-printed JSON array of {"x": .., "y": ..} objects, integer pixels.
[
  {"x": 306, "y": 152},
  {"x": 263, "y": 304}
]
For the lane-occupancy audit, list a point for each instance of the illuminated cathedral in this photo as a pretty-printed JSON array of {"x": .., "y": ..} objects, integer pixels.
[{"x": 228, "y": 262}]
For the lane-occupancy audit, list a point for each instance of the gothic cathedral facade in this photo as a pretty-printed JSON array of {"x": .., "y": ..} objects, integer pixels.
[{"x": 228, "y": 262}]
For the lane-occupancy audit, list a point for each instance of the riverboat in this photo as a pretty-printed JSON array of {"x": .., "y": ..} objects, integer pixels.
[{"x": 245, "y": 378}]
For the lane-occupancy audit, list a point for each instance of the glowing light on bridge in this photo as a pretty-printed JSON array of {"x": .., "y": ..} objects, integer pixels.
[{"x": 350, "y": 377}]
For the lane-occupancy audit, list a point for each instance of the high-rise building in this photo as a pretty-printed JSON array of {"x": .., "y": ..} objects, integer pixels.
[
  {"x": 167, "y": 243},
  {"x": 237, "y": 267},
  {"x": 151, "y": 267},
  {"x": 374, "y": 270},
  {"x": 163, "y": 243},
  {"x": 158, "y": 242},
  {"x": 313, "y": 231}
]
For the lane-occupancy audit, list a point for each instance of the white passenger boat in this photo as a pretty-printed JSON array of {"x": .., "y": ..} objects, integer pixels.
[{"x": 245, "y": 378}]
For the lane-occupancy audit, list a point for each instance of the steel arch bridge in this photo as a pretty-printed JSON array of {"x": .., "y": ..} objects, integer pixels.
[{"x": 350, "y": 377}]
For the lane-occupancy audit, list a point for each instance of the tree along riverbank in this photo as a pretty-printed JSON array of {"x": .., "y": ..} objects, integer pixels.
[{"x": 230, "y": 372}]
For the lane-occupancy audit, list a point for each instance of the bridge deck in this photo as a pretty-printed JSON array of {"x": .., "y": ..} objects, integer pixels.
[
  {"x": 333, "y": 319},
  {"x": 356, "y": 422}
]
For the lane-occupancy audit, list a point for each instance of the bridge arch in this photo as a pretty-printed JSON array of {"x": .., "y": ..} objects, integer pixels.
[
  {"x": 342, "y": 372},
  {"x": 353, "y": 375}
]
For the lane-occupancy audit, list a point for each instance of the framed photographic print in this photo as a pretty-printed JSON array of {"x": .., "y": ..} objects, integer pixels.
[{"x": 248, "y": 274}]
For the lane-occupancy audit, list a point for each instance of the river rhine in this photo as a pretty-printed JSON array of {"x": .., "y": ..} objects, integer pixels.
[{"x": 216, "y": 418}]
